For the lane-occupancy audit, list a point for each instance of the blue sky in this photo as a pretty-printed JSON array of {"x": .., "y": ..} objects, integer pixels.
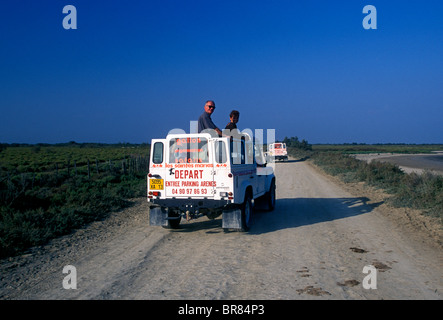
[{"x": 133, "y": 70}]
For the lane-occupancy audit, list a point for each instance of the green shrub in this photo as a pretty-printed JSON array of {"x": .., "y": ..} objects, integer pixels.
[{"x": 40, "y": 200}]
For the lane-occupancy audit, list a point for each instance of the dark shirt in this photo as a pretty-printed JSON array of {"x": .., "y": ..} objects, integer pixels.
[
  {"x": 205, "y": 122},
  {"x": 231, "y": 125}
]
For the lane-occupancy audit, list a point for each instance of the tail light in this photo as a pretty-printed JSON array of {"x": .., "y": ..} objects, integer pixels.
[
  {"x": 154, "y": 194},
  {"x": 227, "y": 194}
]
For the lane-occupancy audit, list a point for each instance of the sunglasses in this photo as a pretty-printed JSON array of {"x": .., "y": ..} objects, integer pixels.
[{"x": 211, "y": 107}]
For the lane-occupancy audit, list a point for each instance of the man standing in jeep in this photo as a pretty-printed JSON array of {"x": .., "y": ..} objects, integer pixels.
[{"x": 205, "y": 121}]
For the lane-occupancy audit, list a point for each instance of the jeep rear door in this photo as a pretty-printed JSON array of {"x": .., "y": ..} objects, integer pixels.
[
  {"x": 156, "y": 176},
  {"x": 189, "y": 167}
]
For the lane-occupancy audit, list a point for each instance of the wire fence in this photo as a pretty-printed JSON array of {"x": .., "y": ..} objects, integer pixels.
[{"x": 13, "y": 182}]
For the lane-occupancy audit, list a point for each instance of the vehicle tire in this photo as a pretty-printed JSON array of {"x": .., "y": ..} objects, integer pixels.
[
  {"x": 246, "y": 213},
  {"x": 270, "y": 197}
]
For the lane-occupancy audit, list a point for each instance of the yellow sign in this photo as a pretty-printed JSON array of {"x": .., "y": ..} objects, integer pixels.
[{"x": 156, "y": 184}]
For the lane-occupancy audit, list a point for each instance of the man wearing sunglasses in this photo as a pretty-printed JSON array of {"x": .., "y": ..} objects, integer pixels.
[{"x": 205, "y": 121}]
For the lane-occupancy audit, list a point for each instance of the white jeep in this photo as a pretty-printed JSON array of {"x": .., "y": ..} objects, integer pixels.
[
  {"x": 192, "y": 175},
  {"x": 277, "y": 151}
]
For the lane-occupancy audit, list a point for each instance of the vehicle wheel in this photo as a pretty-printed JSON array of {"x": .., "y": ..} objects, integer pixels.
[
  {"x": 246, "y": 213},
  {"x": 270, "y": 196}
]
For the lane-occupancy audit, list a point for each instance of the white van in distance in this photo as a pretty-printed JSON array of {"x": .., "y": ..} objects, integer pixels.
[{"x": 277, "y": 151}]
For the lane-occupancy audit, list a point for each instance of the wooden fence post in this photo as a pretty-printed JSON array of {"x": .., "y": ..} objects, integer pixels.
[{"x": 89, "y": 171}]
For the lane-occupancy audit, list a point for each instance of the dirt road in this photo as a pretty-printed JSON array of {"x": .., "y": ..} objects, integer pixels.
[{"x": 313, "y": 246}]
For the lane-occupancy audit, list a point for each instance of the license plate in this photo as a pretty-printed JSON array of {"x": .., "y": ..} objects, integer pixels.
[{"x": 156, "y": 184}]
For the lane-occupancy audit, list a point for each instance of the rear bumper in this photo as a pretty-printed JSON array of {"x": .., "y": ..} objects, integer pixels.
[{"x": 191, "y": 204}]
